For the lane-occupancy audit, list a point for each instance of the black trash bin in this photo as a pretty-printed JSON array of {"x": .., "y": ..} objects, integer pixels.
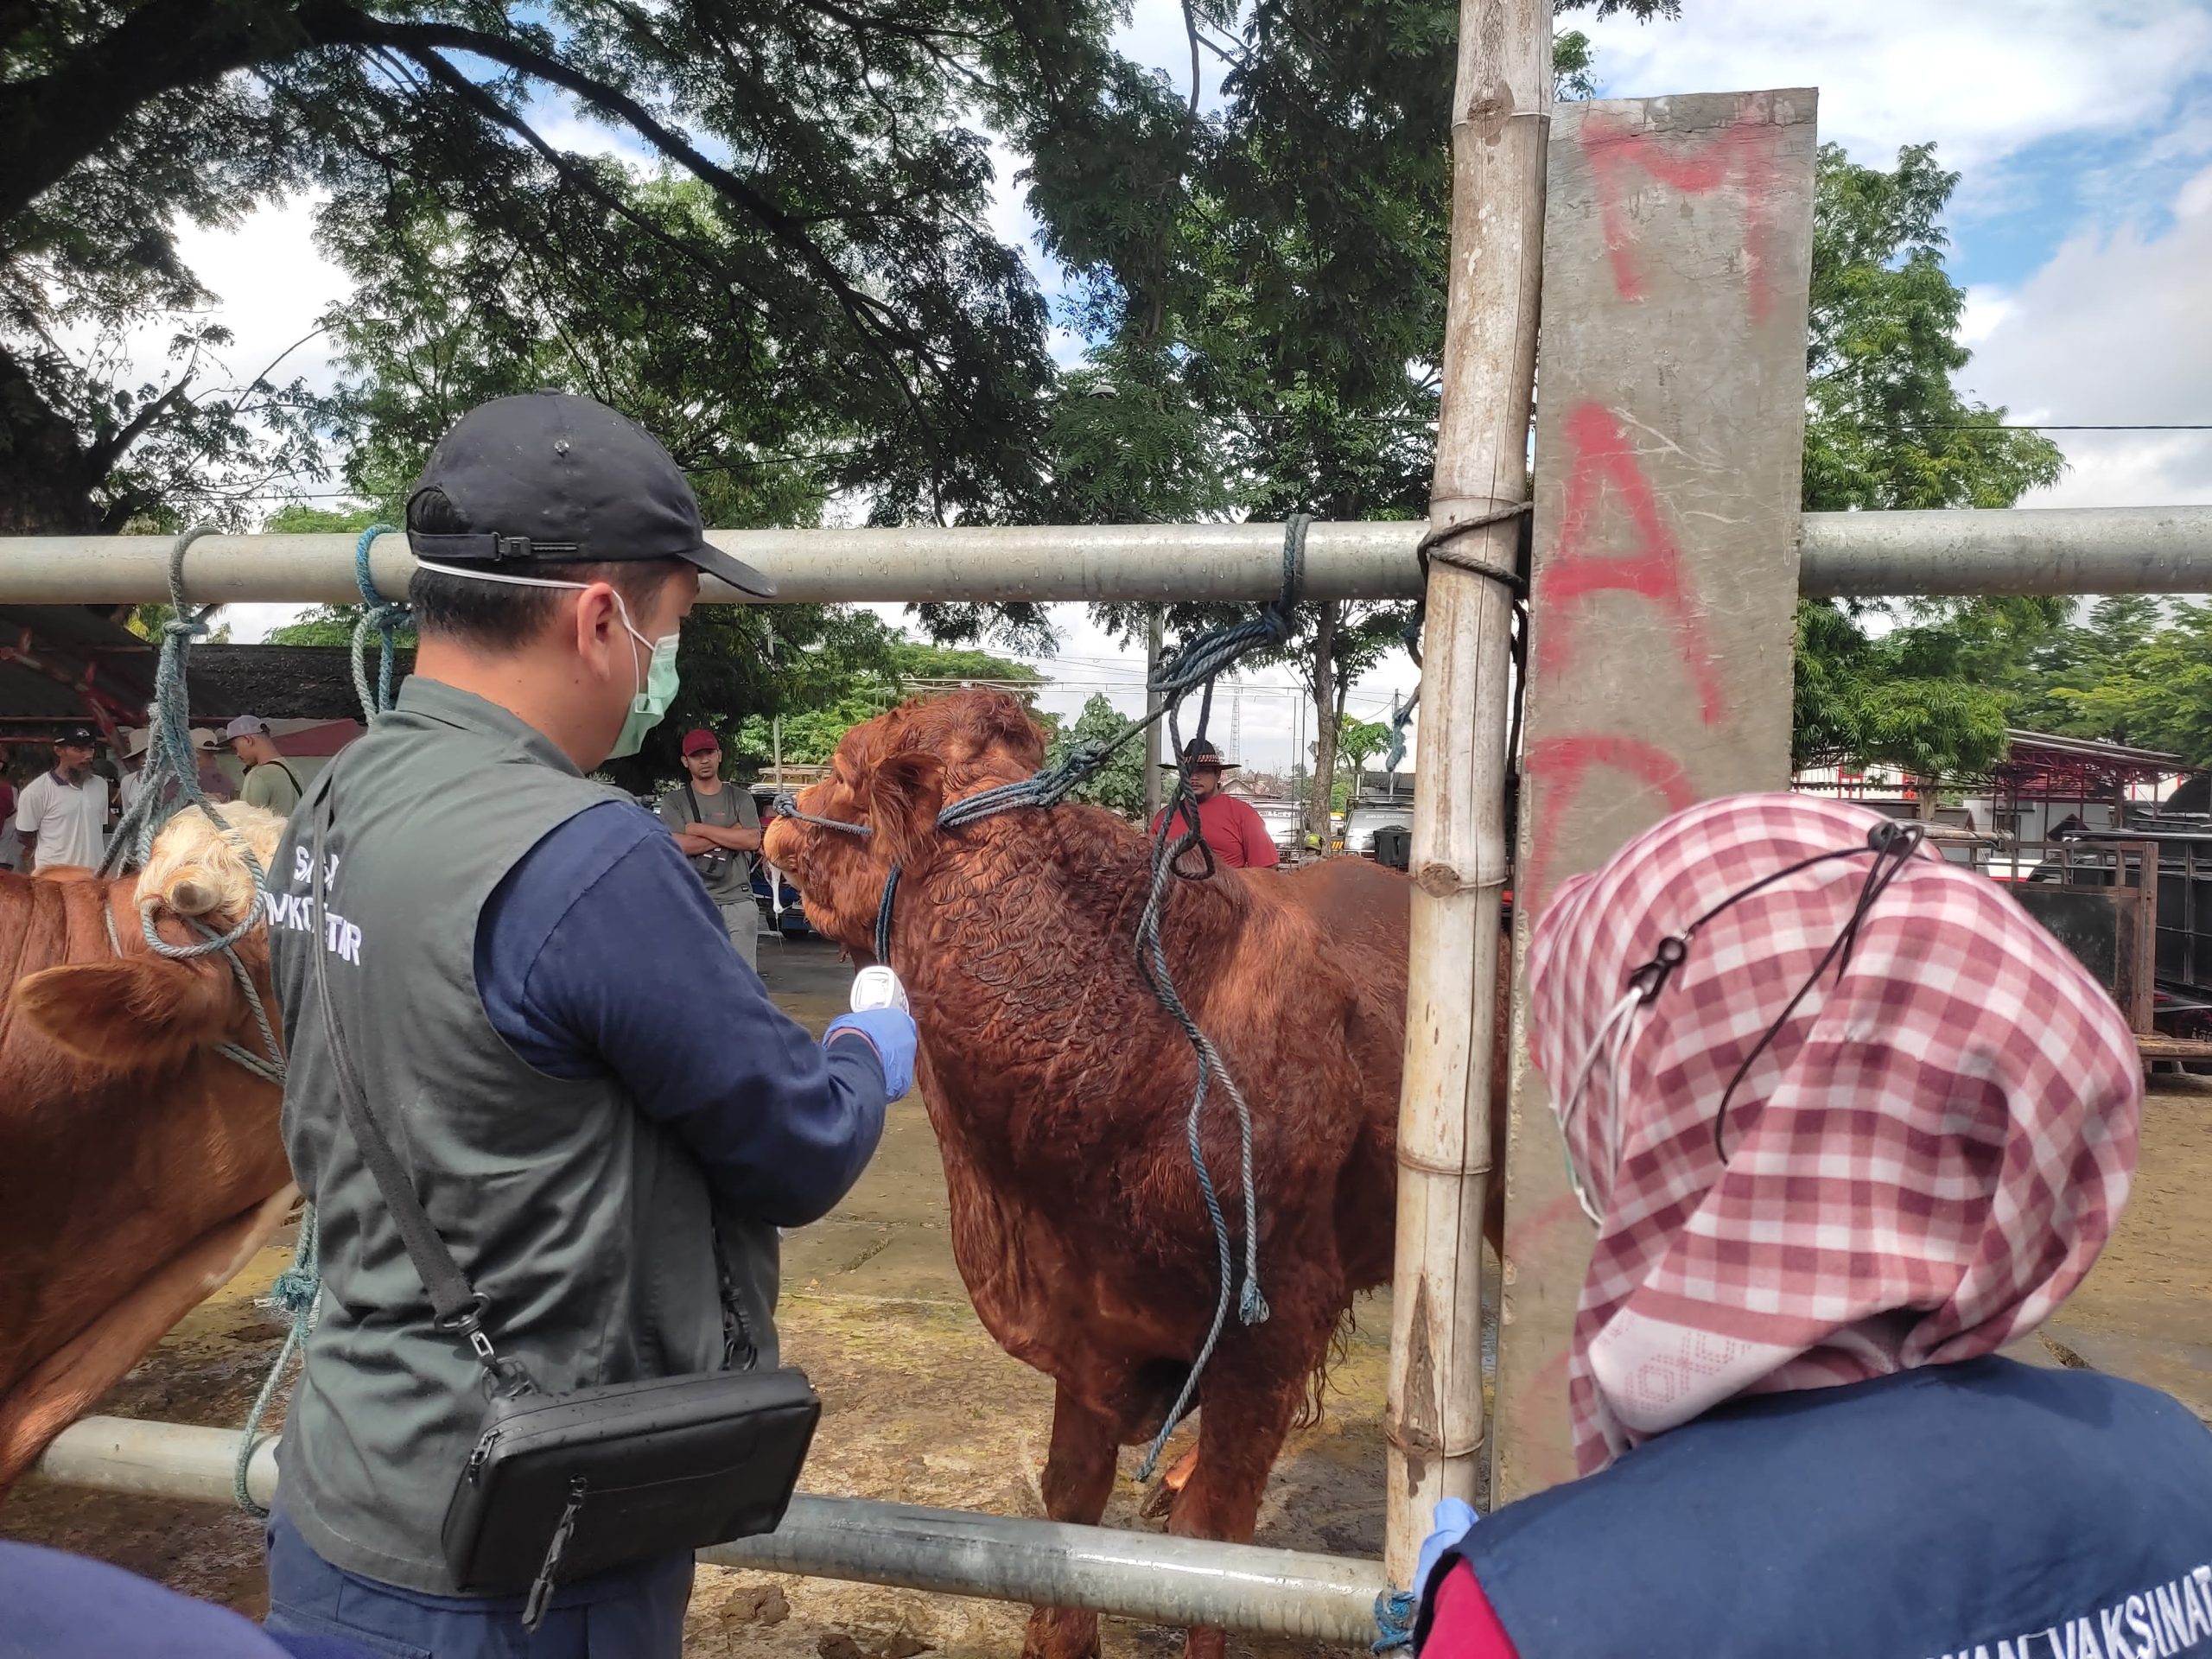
[{"x": 1394, "y": 846}]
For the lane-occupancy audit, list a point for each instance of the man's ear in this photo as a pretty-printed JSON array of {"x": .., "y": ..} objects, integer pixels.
[
  {"x": 904, "y": 795},
  {"x": 144, "y": 1011}
]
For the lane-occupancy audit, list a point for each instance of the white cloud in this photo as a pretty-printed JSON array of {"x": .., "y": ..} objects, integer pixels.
[
  {"x": 2113, "y": 330},
  {"x": 562, "y": 122},
  {"x": 271, "y": 284},
  {"x": 1987, "y": 308},
  {"x": 1981, "y": 78}
]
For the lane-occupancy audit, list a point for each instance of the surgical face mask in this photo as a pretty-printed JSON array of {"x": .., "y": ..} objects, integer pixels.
[{"x": 653, "y": 687}]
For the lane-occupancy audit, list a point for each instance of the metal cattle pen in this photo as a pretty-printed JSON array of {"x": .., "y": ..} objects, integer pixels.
[
  {"x": 1172, "y": 1580},
  {"x": 1504, "y": 150}
]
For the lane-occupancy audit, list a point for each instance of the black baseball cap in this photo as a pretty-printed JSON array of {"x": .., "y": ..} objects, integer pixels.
[
  {"x": 547, "y": 478},
  {"x": 77, "y": 737}
]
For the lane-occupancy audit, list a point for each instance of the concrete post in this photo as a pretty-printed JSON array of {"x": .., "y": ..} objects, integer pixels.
[{"x": 1678, "y": 248}]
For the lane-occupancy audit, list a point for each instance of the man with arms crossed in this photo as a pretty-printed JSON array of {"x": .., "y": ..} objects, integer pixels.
[{"x": 718, "y": 828}]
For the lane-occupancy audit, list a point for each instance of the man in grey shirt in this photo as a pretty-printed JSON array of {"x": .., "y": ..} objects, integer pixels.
[{"x": 718, "y": 827}]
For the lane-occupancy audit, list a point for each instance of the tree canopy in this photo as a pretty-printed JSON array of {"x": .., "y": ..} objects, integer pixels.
[
  {"x": 1914, "y": 685},
  {"x": 816, "y": 231}
]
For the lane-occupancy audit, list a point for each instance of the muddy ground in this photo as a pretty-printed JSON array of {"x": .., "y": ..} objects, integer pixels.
[{"x": 920, "y": 1405}]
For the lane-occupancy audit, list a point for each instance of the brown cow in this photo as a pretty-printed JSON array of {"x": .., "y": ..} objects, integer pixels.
[
  {"x": 1058, "y": 1089},
  {"x": 139, "y": 1168}
]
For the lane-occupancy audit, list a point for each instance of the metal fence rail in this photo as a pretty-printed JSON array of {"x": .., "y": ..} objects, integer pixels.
[
  {"x": 2019, "y": 550},
  {"x": 1142, "y": 1575}
]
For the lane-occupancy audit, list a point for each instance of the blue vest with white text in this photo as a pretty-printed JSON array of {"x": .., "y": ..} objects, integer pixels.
[{"x": 1983, "y": 1510}]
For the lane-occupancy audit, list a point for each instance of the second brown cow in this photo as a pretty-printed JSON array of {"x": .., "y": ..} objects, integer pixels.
[{"x": 1058, "y": 1089}]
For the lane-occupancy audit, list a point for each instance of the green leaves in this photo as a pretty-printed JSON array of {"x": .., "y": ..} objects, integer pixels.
[
  {"x": 1924, "y": 687},
  {"x": 1119, "y": 785}
]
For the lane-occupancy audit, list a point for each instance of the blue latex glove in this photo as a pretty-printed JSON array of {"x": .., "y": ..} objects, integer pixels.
[
  {"x": 890, "y": 1032},
  {"x": 1454, "y": 1520}
]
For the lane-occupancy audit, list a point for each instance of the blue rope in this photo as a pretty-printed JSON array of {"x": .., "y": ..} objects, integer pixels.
[
  {"x": 1152, "y": 963},
  {"x": 295, "y": 1292},
  {"x": 382, "y": 614},
  {"x": 1395, "y": 1612},
  {"x": 1399, "y": 722},
  {"x": 169, "y": 782}
]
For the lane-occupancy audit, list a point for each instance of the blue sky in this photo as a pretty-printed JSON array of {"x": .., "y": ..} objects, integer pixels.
[{"x": 2082, "y": 224}]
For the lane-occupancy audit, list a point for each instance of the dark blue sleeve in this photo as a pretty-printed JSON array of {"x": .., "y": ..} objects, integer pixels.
[{"x": 600, "y": 955}]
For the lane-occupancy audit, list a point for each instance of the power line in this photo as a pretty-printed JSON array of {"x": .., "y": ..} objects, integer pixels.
[{"x": 2052, "y": 426}]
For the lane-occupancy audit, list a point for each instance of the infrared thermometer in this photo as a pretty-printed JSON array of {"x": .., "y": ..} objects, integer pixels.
[{"x": 877, "y": 987}]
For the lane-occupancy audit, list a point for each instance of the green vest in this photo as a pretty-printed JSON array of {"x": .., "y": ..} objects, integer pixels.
[{"x": 590, "y": 1230}]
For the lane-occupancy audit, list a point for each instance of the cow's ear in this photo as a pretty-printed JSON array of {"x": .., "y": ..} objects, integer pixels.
[
  {"x": 136, "y": 1012},
  {"x": 904, "y": 795},
  {"x": 1000, "y": 720}
]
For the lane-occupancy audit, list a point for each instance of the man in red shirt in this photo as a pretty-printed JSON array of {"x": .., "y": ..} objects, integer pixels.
[{"x": 1229, "y": 827}]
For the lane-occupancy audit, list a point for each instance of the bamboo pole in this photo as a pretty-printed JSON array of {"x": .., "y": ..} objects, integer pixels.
[{"x": 1501, "y": 112}]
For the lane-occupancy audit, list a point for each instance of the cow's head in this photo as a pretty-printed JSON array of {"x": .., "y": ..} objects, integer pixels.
[
  {"x": 142, "y": 1009},
  {"x": 892, "y": 773}
]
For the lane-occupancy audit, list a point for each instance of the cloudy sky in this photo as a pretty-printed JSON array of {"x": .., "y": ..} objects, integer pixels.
[{"x": 2082, "y": 228}]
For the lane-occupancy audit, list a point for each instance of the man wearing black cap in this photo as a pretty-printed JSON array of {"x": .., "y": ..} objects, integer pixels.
[
  {"x": 1236, "y": 835},
  {"x": 604, "y": 1119},
  {"x": 62, "y": 815}
]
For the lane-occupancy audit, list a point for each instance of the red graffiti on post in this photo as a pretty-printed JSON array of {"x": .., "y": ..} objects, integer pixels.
[
  {"x": 1601, "y": 455},
  {"x": 1560, "y": 766},
  {"x": 1746, "y": 153}
]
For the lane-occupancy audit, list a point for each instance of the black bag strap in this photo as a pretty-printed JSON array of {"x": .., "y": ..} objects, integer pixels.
[{"x": 457, "y": 1306}]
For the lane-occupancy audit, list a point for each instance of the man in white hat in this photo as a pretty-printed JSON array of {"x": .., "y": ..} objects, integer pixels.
[
  {"x": 205, "y": 746},
  {"x": 268, "y": 781}
]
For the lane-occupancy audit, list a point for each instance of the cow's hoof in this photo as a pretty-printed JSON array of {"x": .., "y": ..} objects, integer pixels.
[
  {"x": 1058, "y": 1633},
  {"x": 1162, "y": 1498}
]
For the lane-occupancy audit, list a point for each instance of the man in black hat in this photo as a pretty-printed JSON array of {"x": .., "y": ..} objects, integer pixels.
[
  {"x": 1236, "y": 835},
  {"x": 603, "y": 1116},
  {"x": 62, "y": 815}
]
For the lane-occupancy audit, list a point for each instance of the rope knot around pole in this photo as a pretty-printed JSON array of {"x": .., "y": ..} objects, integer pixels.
[
  {"x": 1394, "y": 1610},
  {"x": 379, "y": 614},
  {"x": 1436, "y": 547}
]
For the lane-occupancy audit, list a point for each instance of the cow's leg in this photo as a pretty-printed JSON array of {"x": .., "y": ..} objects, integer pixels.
[
  {"x": 58, "y": 1390},
  {"x": 1078, "y": 1479},
  {"x": 1251, "y": 1392}
]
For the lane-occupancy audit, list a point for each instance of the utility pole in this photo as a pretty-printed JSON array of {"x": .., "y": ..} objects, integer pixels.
[{"x": 1154, "y": 639}]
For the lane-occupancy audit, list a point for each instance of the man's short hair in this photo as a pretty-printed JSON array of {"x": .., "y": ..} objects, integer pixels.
[{"x": 499, "y": 615}]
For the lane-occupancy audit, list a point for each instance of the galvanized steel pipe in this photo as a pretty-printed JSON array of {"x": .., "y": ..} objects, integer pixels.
[
  {"x": 2019, "y": 550},
  {"x": 1151, "y": 1576}
]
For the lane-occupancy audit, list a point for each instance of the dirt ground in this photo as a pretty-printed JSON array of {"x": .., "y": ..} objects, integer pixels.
[{"x": 921, "y": 1407}]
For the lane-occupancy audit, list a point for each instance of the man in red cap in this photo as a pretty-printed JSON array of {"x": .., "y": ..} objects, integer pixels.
[
  {"x": 1229, "y": 827},
  {"x": 718, "y": 827}
]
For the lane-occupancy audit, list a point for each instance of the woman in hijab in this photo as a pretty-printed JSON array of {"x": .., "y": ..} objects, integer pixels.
[{"x": 1847, "y": 1122}]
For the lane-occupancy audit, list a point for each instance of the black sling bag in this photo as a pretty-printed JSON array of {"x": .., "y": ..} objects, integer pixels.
[{"x": 561, "y": 1486}]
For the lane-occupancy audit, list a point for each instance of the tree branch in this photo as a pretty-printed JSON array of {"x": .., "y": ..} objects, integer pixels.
[
  {"x": 48, "y": 125},
  {"x": 101, "y": 458}
]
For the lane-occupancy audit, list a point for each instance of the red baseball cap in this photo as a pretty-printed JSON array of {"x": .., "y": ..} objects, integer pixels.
[{"x": 699, "y": 741}]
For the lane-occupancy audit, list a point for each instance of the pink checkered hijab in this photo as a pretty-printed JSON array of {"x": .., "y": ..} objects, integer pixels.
[{"x": 1920, "y": 1165}]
